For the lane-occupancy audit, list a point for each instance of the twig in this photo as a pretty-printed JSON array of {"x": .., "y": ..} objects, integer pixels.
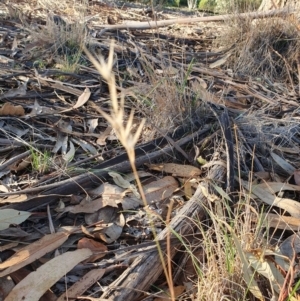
[{"x": 163, "y": 23}]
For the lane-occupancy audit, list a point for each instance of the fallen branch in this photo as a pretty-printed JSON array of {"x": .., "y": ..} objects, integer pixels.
[{"x": 157, "y": 24}]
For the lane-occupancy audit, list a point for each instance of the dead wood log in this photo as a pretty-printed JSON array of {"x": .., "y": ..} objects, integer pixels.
[
  {"x": 163, "y": 23},
  {"x": 146, "y": 268}
]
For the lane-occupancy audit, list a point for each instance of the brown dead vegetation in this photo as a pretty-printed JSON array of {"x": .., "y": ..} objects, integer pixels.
[
  {"x": 218, "y": 156},
  {"x": 265, "y": 49}
]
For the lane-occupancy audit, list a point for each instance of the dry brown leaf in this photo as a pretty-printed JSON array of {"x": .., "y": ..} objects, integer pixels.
[
  {"x": 292, "y": 207},
  {"x": 184, "y": 171},
  {"x": 32, "y": 287},
  {"x": 9, "y": 109},
  {"x": 267, "y": 268},
  {"x": 188, "y": 191},
  {"x": 3, "y": 188},
  {"x": 92, "y": 124},
  {"x": 111, "y": 226},
  {"x": 220, "y": 62},
  {"x": 283, "y": 163},
  {"x": 161, "y": 189},
  {"x": 80, "y": 286},
  {"x": 111, "y": 194},
  {"x": 87, "y": 206},
  {"x": 103, "y": 136},
  {"x": 33, "y": 252},
  {"x": 22, "y": 164},
  {"x": 94, "y": 246},
  {"x": 281, "y": 221},
  {"x": 15, "y": 198},
  {"x": 19, "y": 275},
  {"x": 83, "y": 98},
  {"x": 278, "y": 186}
]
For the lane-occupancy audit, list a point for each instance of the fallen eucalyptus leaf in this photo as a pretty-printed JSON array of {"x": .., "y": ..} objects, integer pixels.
[
  {"x": 83, "y": 98},
  {"x": 11, "y": 216},
  {"x": 32, "y": 287}
]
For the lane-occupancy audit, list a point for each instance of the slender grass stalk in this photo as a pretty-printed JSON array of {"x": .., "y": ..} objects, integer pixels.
[{"x": 123, "y": 132}]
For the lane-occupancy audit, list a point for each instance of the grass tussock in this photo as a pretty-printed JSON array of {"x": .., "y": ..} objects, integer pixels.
[
  {"x": 221, "y": 274},
  {"x": 60, "y": 37},
  {"x": 165, "y": 98},
  {"x": 266, "y": 49},
  {"x": 73, "y": 9},
  {"x": 59, "y": 40}
]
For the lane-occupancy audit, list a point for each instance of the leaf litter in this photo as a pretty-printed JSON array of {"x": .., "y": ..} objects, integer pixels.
[{"x": 51, "y": 96}]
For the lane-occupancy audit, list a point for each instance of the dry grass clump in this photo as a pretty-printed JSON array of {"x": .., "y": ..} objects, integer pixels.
[
  {"x": 269, "y": 134},
  {"x": 165, "y": 97},
  {"x": 267, "y": 48},
  {"x": 70, "y": 8},
  {"x": 222, "y": 275},
  {"x": 61, "y": 39}
]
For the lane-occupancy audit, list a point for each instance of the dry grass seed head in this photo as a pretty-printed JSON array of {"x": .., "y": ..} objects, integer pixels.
[
  {"x": 266, "y": 48},
  {"x": 117, "y": 113}
]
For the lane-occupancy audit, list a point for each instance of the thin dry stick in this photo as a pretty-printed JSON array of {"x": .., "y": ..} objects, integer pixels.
[
  {"x": 288, "y": 68},
  {"x": 163, "y": 23},
  {"x": 170, "y": 278}
]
